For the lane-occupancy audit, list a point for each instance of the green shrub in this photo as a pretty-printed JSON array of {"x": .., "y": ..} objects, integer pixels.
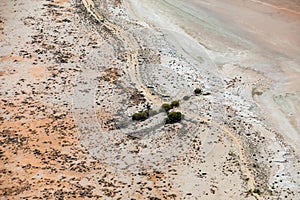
[
  {"x": 166, "y": 107},
  {"x": 197, "y": 91},
  {"x": 257, "y": 191},
  {"x": 140, "y": 116},
  {"x": 175, "y": 103},
  {"x": 256, "y": 92},
  {"x": 173, "y": 117}
]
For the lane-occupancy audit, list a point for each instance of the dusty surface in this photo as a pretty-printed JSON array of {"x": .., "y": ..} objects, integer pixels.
[{"x": 72, "y": 73}]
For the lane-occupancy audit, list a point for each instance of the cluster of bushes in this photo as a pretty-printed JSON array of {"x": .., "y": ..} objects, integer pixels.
[
  {"x": 172, "y": 117},
  {"x": 167, "y": 107},
  {"x": 141, "y": 115}
]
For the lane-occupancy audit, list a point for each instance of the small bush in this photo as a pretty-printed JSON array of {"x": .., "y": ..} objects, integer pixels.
[
  {"x": 256, "y": 92},
  {"x": 186, "y": 98},
  {"x": 175, "y": 104},
  {"x": 166, "y": 107},
  {"x": 197, "y": 91},
  {"x": 140, "y": 116},
  {"x": 173, "y": 117},
  {"x": 257, "y": 191}
]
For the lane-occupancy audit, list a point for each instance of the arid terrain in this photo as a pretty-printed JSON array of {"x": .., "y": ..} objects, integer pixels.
[{"x": 74, "y": 72}]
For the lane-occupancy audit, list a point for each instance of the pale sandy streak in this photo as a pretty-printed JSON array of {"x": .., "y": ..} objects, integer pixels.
[{"x": 276, "y": 7}]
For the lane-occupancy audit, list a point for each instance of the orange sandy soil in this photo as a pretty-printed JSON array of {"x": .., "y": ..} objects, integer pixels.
[{"x": 41, "y": 156}]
